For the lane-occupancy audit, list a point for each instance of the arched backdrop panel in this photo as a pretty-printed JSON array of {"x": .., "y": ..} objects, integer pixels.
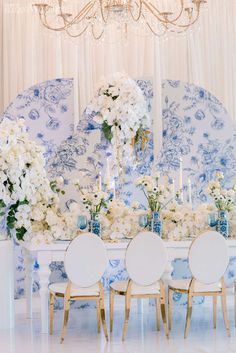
[{"x": 196, "y": 127}]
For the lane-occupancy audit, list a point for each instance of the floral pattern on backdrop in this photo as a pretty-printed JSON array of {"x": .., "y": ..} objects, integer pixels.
[{"x": 196, "y": 126}]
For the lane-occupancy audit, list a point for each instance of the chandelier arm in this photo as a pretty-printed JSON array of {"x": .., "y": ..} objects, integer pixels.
[
  {"x": 82, "y": 14},
  {"x": 152, "y": 30},
  {"x": 160, "y": 19},
  {"x": 78, "y": 18},
  {"x": 105, "y": 18},
  {"x": 42, "y": 10},
  {"x": 139, "y": 5},
  {"x": 191, "y": 22},
  {"x": 78, "y": 34},
  {"x": 153, "y": 9},
  {"x": 99, "y": 36}
]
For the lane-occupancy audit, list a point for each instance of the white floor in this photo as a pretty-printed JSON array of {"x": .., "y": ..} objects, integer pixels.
[{"x": 142, "y": 336}]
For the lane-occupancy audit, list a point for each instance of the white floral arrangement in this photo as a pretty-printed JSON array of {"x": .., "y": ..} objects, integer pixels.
[
  {"x": 224, "y": 198},
  {"x": 28, "y": 200},
  {"x": 122, "y": 111},
  {"x": 181, "y": 221},
  {"x": 93, "y": 199},
  {"x": 120, "y": 221},
  {"x": 158, "y": 195}
]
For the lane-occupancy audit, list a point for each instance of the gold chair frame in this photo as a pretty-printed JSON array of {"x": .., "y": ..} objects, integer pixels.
[
  {"x": 160, "y": 306},
  {"x": 190, "y": 292},
  {"x": 68, "y": 298}
]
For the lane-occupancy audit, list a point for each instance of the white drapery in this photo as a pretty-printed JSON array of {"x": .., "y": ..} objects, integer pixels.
[{"x": 206, "y": 56}]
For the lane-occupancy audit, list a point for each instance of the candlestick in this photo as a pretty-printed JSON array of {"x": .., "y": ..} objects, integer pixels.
[
  {"x": 189, "y": 191},
  {"x": 181, "y": 178}
]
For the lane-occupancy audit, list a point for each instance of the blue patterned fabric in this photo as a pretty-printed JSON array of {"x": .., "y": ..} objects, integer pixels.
[{"x": 196, "y": 127}]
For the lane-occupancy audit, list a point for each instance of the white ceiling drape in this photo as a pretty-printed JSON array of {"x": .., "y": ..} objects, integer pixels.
[{"x": 206, "y": 56}]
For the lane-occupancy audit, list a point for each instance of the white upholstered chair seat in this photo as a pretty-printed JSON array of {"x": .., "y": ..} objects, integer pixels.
[
  {"x": 60, "y": 288},
  {"x": 136, "y": 289},
  {"x": 183, "y": 284}
]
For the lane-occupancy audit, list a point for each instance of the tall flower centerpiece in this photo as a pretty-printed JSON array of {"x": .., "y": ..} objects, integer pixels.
[
  {"x": 158, "y": 196},
  {"x": 122, "y": 111},
  {"x": 94, "y": 201},
  {"x": 29, "y": 203},
  {"x": 224, "y": 201}
]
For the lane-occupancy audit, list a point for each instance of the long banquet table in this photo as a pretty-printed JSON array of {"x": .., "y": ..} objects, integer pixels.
[{"x": 45, "y": 254}]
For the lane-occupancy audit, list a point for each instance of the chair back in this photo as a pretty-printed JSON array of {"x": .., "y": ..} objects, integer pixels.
[
  {"x": 85, "y": 260},
  {"x": 208, "y": 257},
  {"x": 146, "y": 258}
]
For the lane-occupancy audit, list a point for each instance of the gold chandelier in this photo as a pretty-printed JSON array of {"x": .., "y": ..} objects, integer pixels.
[{"x": 75, "y": 17}]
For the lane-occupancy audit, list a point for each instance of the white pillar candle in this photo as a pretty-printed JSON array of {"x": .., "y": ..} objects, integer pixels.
[
  {"x": 189, "y": 191},
  {"x": 100, "y": 181},
  {"x": 173, "y": 188},
  {"x": 114, "y": 190},
  {"x": 181, "y": 178},
  {"x": 107, "y": 180}
]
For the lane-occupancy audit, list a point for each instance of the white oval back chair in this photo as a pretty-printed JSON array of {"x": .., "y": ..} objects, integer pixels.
[
  {"x": 85, "y": 262},
  {"x": 146, "y": 260},
  {"x": 208, "y": 261}
]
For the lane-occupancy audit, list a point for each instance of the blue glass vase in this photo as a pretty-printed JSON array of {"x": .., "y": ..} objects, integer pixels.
[
  {"x": 156, "y": 223},
  {"x": 223, "y": 223},
  {"x": 95, "y": 224}
]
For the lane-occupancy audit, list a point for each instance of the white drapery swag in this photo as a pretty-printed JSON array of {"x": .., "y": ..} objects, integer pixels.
[{"x": 205, "y": 56}]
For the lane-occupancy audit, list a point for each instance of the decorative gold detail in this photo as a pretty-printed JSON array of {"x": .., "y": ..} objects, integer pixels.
[
  {"x": 174, "y": 16},
  {"x": 191, "y": 293},
  {"x": 160, "y": 306}
]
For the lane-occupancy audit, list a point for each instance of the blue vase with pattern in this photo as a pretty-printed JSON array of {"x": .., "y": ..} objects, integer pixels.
[
  {"x": 95, "y": 224},
  {"x": 223, "y": 223},
  {"x": 156, "y": 223}
]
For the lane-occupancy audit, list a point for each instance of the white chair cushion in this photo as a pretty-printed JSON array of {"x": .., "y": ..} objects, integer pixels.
[
  {"x": 121, "y": 286},
  {"x": 75, "y": 291},
  {"x": 198, "y": 287}
]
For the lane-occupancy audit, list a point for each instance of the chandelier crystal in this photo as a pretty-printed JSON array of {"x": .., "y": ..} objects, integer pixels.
[{"x": 75, "y": 17}]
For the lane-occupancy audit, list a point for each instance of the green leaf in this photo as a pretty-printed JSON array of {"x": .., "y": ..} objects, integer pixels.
[
  {"x": 107, "y": 131},
  {"x": 20, "y": 232},
  {"x": 2, "y": 204}
]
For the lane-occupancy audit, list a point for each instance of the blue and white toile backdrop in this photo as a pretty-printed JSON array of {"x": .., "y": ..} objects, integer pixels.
[{"x": 196, "y": 127}]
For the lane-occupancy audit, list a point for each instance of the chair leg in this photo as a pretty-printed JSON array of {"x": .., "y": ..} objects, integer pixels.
[
  {"x": 98, "y": 316},
  {"x": 214, "y": 310},
  {"x": 103, "y": 317},
  {"x": 127, "y": 313},
  {"x": 66, "y": 317},
  {"x": 158, "y": 310},
  {"x": 225, "y": 314},
  {"x": 163, "y": 314},
  {"x": 112, "y": 297},
  {"x": 189, "y": 314},
  {"x": 52, "y": 297},
  {"x": 170, "y": 307}
]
